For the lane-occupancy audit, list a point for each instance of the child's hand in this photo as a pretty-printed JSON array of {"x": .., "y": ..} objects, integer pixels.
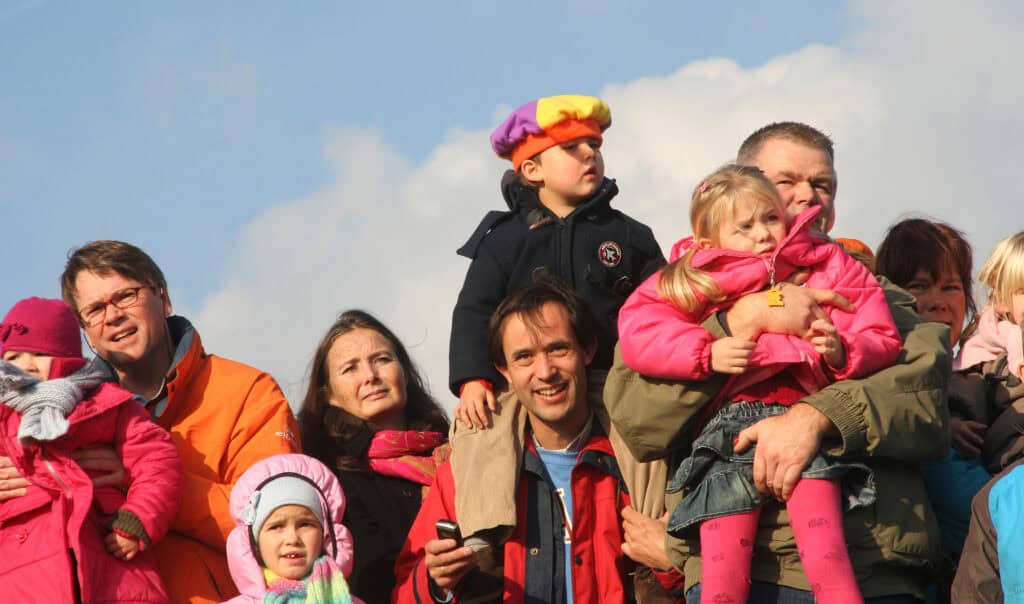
[
  {"x": 825, "y": 339},
  {"x": 731, "y": 355},
  {"x": 968, "y": 436},
  {"x": 121, "y": 547},
  {"x": 474, "y": 402}
]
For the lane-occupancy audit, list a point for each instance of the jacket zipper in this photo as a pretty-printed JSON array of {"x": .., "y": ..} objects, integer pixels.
[{"x": 56, "y": 476}]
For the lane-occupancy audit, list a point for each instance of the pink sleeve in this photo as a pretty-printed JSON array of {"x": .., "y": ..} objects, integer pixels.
[
  {"x": 153, "y": 466},
  {"x": 658, "y": 339},
  {"x": 869, "y": 333}
]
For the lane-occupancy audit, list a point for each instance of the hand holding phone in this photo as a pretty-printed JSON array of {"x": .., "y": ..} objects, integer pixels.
[
  {"x": 446, "y": 566},
  {"x": 446, "y": 529}
]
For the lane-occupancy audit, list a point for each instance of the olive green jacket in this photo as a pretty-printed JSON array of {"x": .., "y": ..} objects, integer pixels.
[{"x": 891, "y": 421}]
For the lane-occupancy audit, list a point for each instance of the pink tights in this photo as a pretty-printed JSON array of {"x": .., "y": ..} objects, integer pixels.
[{"x": 815, "y": 514}]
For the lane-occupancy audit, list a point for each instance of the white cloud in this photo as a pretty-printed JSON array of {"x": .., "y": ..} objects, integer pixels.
[{"x": 922, "y": 100}]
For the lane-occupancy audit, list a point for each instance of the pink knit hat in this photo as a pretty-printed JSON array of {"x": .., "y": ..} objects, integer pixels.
[{"x": 42, "y": 326}]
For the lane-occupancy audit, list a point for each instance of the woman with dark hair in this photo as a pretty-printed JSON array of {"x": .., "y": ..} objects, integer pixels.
[
  {"x": 933, "y": 261},
  {"x": 368, "y": 416}
]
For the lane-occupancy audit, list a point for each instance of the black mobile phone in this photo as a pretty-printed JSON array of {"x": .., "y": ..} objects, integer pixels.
[{"x": 446, "y": 529}]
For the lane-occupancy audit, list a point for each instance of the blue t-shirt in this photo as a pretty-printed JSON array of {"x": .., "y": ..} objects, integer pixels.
[{"x": 559, "y": 465}]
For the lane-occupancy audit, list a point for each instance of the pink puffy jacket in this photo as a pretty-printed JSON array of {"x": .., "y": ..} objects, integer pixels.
[
  {"x": 659, "y": 339},
  {"x": 245, "y": 569},
  {"x": 62, "y": 511}
]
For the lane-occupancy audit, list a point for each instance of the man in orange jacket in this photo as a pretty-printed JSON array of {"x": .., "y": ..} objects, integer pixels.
[{"x": 223, "y": 415}]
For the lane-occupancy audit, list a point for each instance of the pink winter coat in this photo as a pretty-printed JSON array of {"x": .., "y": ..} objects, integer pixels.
[
  {"x": 659, "y": 339},
  {"x": 61, "y": 510},
  {"x": 245, "y": 569}
]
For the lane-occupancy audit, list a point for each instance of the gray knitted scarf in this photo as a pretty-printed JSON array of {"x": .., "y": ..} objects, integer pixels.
[{"x": 45, "y": 405}]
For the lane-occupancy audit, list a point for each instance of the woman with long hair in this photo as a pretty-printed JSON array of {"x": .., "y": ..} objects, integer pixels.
[{"x": 368, "y": 416}]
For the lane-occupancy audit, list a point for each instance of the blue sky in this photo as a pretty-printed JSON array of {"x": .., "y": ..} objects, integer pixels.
[
  {"x": 286, "y": 161},
  {"x": 172, "y": 124}
]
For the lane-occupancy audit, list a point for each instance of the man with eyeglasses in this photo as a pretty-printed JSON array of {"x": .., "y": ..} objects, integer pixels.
[{"x": 223, "y": 415}]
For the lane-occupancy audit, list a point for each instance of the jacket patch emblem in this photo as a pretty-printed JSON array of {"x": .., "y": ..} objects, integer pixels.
[{"x": 610, "y": 254}]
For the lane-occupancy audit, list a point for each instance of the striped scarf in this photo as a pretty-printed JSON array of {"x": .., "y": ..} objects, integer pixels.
[{"x": 325, "y": 584}]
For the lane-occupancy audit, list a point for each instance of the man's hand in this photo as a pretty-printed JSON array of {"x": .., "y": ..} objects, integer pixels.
[
  {"x": 731, "y": 355},
  {"x": 121, "y": 547},
  {"x": 644, "y": 539},
  {"x": 104, "y": 459},
  {"x": 825, "y": 338},
  {"x": 786, "y": 444},
  {"x": 12, "y": 483},
  {"x": 447, "y": 564},
  {"x": 968, "y": 436},
  {"x": 751, "y": 316},
  {"x": 474, "y": 402}
]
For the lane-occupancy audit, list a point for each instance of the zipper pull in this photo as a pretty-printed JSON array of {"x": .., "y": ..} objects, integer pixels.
[{"x": 774, "y": 293}]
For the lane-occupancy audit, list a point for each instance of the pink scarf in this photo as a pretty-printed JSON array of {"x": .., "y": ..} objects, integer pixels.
[
  {"x": 993, "y": 338},
  {"x": 405, "y": 454}
]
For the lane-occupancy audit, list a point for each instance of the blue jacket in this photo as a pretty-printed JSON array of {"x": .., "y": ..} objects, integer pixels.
[{"x": 992, "y": 565}]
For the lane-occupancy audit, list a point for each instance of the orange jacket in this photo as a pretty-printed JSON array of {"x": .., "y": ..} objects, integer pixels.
[{"x": 224, "y": 417}]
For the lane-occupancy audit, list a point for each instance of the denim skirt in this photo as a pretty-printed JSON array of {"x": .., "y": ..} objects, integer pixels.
[{"x": 717, "y": 481}]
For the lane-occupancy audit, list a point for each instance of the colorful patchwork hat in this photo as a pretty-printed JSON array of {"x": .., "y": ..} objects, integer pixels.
[{"x": 547, "y": 122}]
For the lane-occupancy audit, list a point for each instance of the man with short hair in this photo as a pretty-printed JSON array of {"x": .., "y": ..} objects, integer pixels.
[
  {"x": 799, "y": 161},
  {"x": 223, "y": 415},
  {"x": 891, "y": 421},
  {"x": 566, "y": 545}
]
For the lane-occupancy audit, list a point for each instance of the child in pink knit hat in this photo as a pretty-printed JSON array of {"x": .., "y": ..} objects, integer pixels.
[
  {"x": 994, "y": 356},
  {"x": 65, "y": 539}
]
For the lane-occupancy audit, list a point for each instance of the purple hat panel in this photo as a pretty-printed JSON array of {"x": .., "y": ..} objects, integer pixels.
[{"x": 515, "y": 129}]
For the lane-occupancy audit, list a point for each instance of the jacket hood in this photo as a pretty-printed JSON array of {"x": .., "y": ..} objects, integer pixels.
[
  {"x": 799, "y": 231},
  {"x": 994, "y": 337},
  {"x": 242, "y": 562},
  {"x": 517, "y": 195}
]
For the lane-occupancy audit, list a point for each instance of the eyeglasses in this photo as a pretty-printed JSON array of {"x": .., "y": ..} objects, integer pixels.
[{"x": 94, "y": 314}]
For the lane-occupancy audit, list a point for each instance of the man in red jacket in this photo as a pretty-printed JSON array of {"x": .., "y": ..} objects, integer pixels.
[{"x": 568, "y": 538}]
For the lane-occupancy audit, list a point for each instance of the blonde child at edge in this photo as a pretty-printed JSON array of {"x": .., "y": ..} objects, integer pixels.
[{"x": 994, "y": 353}]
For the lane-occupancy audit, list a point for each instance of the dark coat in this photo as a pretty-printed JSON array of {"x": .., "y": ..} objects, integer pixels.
[
  {"x": 598, "y": 251},
  {"x": 380, "y": 509}
]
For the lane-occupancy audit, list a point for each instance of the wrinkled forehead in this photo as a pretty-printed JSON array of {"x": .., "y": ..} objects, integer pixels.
[{"x": 780, "y": 154}]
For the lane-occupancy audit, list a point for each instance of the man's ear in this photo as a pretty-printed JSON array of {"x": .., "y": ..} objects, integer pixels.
[
  {"x": 504, "y": 373},
  {"x": 166, "y": 299},
  {"x": 589, "y": 351}
]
